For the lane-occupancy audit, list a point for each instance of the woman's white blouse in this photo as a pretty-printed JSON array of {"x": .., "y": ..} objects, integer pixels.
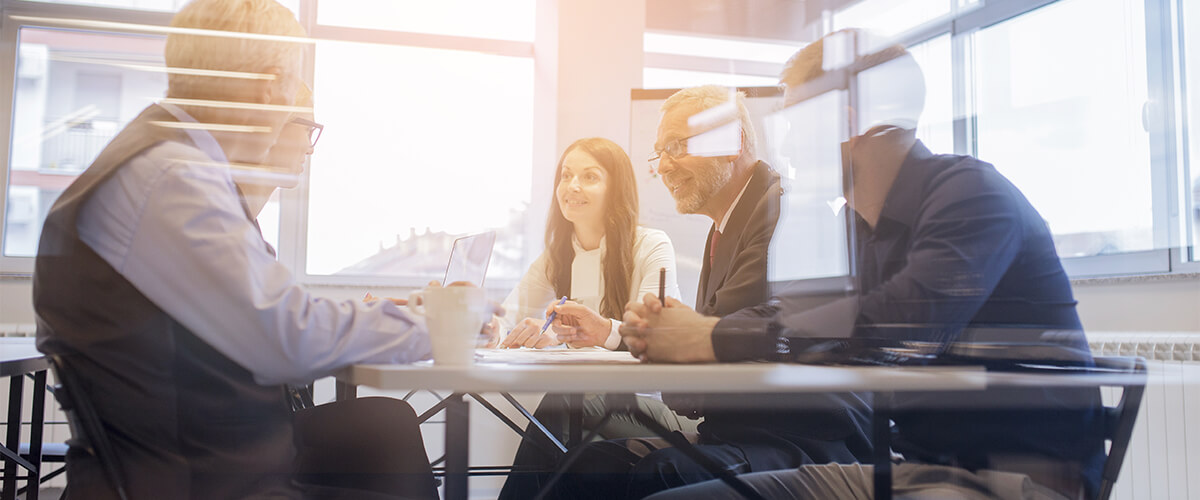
[{"x": 652, "y": 251}]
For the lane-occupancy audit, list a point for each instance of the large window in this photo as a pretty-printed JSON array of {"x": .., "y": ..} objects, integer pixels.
[
  {"x": 73, "y": 91},
  {"x": 1190, "y": 123},
  {"x": 1076, "y": 114},
  {"x": 428, "y": 134},
  {"x": 1091, "y": 107},
  {"x": 1072, "y": 101},
  {"x": 487, "y": 19},
  {"x": 420, "y": 151}
]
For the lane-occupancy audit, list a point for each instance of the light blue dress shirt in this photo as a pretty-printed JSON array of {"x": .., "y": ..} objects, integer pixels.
[{"x": 171, "y": 222}]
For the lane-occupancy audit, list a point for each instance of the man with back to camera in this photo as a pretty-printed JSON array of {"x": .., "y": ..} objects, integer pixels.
[
  {"x": 947, "y": 250},
  {"x": 740, "y": 194},
  {"x": 154, "y": 285}
]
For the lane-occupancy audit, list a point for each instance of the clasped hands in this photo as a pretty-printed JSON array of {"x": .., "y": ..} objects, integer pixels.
[{"x": 673, "y": 333}]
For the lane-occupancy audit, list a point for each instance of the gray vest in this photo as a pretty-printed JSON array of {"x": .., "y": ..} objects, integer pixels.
[{"x": 186, "y": 421}]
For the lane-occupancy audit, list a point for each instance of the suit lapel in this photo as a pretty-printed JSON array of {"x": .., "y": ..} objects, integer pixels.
[
  {"x": 712, "y": 277},
  {"x": 702, "y": 295}
]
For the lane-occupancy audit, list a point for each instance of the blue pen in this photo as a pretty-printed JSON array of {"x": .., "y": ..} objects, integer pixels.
[{"x": 553, "y": 314}]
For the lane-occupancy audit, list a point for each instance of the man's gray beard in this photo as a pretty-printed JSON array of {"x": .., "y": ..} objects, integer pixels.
[{"x": 714, "y": 177}]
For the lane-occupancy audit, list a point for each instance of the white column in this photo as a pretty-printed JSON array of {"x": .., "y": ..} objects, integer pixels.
[{"x": 588, "y": 55}]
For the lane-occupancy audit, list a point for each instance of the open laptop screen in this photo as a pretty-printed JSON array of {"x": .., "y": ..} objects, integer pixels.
[{"x": 469, "y": 259}]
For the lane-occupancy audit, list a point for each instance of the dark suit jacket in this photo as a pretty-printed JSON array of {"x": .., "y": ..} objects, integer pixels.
[
  {"x": 738, "y": 277},
  {"x": 817, "y": 428}
]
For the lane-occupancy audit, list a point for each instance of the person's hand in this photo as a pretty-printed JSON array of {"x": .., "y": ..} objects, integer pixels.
[
  {"x": 578, "y": 325},
  {"x": 528, "y": 333},
  {"x": 368, "y": 298},
  {"x": 489, "y": 336},
  {"x": 674, "y": 334}
]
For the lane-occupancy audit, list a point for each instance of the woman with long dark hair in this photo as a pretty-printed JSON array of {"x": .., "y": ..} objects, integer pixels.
[
  {"x": 599, "y": 258},
  {"x": 596, "y": 255}
]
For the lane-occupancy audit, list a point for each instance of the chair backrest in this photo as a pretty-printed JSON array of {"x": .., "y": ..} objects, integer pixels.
[
  {"x": 87, "y": 432},
  {"x": 1119, "y": 419},
  {"x": 299, "y": 396}
]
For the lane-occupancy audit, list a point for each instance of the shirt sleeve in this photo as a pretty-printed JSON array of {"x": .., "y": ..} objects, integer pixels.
[
  {"x": 654, "y": 252},
  {"x": 198, "y": 258},
  {"x": 531, "y": 296},
  {"x": 968, "y": 235}
]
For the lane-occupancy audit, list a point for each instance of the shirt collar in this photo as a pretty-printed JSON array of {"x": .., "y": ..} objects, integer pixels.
[
  {"x": 904, "y": 198},
  {"x": 201, "y": 138},
  {"x": 725, "y": 219},
  {"x": 579, "y": 248}
]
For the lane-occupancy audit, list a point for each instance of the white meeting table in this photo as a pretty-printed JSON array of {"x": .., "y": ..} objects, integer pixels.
[{"x": 588, "y": 371}]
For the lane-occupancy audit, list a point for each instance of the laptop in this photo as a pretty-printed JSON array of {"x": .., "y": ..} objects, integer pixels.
[{"x": 469, "y": 259}]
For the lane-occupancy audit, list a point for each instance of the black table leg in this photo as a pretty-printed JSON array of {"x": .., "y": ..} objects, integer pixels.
[
  {"x": 16, "y": 387},
  {"x": 457, "y": 443},
  {"x": 574, "y": 420},
  {"x": 881, "y": 441},
  {"x": 344, "y": 392},
  {"x": 35, "y": 435}
]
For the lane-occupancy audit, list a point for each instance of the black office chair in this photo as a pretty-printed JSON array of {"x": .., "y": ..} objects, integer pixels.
[
  {"x": 300, "y": 396},
  {"x": 87, "y": 433},
  {"x": 1119, "y": 419},
  {"x": 52, "y": 453}
]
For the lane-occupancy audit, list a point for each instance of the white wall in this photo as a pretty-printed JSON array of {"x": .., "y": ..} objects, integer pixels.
[{"x": 1169, "y": 305}]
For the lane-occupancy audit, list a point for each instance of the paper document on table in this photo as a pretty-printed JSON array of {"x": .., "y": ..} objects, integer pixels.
[{"x": 553, "y": 356}]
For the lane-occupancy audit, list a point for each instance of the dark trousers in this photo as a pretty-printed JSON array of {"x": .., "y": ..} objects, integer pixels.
[
  {"x": 537, "y": 458},
  {"x": 636, "y": 468},
  {"x": 362, "y": 448}
]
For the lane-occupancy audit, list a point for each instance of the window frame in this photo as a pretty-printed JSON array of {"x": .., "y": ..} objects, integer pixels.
[
  {"x": 1170, "y": 251},
  {"x": 1170, "y": 156},
  {"x": 18, "y": 14},
  {"x": 293, "y": 203}
]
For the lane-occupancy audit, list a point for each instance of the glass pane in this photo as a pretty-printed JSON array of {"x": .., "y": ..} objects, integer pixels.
[
  {"x": 418, "y": 121},
  {"x": 884, "y": 19},
  {"x": 268, "y": 220},
  {"x": 936, "y": 127},
  {"x": 155, "y": 5},
  {"x": 508, "y": 20},
  {"x": 804, "y": 141},
  {"x": 723, "y": 48},
  {"x": 1190, "y": 10},
  {"x": 659, "y": 78},
  {"x": 74, "y": 91},
  {"x": 883, "y": 99},
  {"x": 1060, "y": 114}
]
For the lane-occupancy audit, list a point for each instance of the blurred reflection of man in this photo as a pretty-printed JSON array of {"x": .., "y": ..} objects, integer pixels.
[
  {"x": 154, "y": 285},
  {"x": 706, "y": 150},
  {"x": 945, "y": 246}
]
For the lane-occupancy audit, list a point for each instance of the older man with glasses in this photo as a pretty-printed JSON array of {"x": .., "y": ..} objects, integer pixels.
[
  {"x": 154, "y": 286},
  {"x": 706, "y": 153}
]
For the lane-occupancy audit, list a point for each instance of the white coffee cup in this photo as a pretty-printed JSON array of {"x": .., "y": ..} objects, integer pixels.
[{"x": 453, "y": 315}]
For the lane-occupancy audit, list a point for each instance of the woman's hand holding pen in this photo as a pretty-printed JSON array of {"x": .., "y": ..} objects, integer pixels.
[
  {"x": 579, "y": 326},
  {"x": 528, "y": 333}
]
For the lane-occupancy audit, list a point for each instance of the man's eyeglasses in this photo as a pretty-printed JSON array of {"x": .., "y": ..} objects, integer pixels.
[
  {"x": 314, "y": 129},
  {"x": 674, "y": 150}
]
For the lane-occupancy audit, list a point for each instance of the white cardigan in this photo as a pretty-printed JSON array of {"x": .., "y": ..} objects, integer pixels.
[{"x": 652, "y": 250}]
